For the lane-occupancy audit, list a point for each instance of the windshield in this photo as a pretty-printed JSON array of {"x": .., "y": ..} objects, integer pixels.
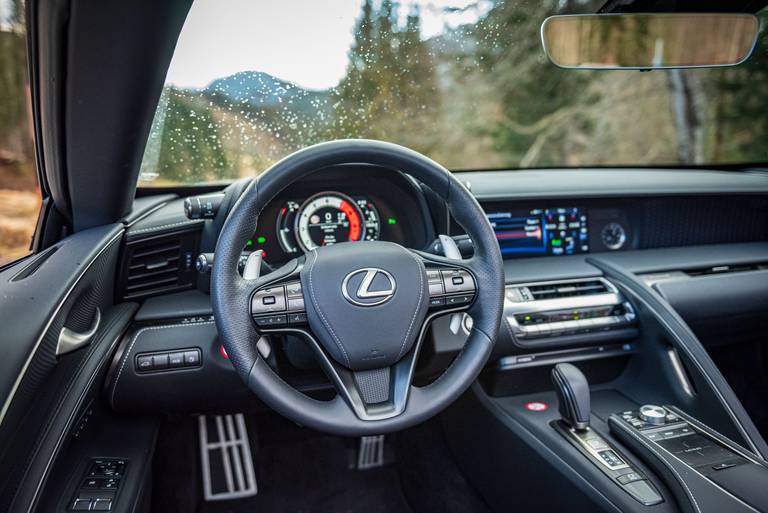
[{"x": 463, "y": 81}]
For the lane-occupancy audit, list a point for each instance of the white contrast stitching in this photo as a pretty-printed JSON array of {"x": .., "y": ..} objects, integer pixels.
[
  {"x": 317, "y": 307},
  {"x": 664, "y": 461},
  {"x": 164, "y": 226},
  {"x": 418, "y": 305},
  {"x": 136, "y": 337}
]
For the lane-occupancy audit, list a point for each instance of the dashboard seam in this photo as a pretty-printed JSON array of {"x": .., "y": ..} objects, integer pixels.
[{"x": 164, "y": 226}]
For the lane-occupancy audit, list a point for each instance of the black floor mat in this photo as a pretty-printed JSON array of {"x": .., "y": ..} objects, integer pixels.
[
  {"x": 302, "y": 471},
  {"x": 313, "y": 476}
]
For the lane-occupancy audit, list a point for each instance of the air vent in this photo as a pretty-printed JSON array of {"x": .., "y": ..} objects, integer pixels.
[
  {"x": 567, "y": 289},
  {"x": 726, "y": 269},
  {"x": 158, "y": 265}
]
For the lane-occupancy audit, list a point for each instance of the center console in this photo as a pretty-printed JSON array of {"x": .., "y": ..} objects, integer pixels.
[{"x": 704, "y": 470}]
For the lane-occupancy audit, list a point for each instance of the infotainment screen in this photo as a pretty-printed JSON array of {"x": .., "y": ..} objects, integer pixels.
[{"x": 549, "y": 231}]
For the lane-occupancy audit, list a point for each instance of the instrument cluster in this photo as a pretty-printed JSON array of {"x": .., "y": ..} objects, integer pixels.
[{"x": 324, "y": 219}]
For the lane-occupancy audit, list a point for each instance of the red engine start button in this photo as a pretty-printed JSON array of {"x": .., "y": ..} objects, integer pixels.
[{"x": 536, "y": 406}]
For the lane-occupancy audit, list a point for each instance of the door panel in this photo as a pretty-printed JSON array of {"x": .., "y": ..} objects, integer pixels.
[{"x": 65, "y": 289}]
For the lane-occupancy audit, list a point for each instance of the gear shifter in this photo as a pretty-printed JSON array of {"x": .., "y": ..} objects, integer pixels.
[{"x": 572, "y": 395}]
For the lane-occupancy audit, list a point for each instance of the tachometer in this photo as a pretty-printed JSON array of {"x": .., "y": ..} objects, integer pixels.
[{"x": 328, "y": 218}]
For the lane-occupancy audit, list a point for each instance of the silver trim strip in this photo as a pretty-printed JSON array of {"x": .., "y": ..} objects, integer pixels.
[
  {"x": 70, "y": 340},
  {"x": 677, "y": 365}
]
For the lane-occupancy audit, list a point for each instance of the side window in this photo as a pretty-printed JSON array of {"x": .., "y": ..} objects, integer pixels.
[{"x": 19, "y": 190}]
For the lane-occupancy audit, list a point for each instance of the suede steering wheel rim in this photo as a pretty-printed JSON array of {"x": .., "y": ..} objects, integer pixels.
[{"x": 370, "y": 355}]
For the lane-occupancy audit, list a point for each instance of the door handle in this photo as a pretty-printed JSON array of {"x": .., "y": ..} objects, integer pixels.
[{"x": 70, "y": 340}]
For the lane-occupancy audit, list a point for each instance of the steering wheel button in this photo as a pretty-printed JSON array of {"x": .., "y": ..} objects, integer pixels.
[
  {"x": 272, "y": 321},
  {"x": 297, "y": 318},
  {"x": 268, "y": 300},
  {"x": 435, "y": 289},
  {"x": 458, "y": 280},
  {"x": 459, "y": 300},
  {"x": 295, "y": 304},
  {"x": 293, "y": 289},
  {"x": 436, "y": 301}
]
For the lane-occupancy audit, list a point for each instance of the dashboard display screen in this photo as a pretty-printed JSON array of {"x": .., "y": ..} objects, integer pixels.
[{"x": 549, "y": 231}]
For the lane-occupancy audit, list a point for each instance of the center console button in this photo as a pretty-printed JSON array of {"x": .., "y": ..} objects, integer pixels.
[
  {"x": 653, "y": 414},
  {"x": 629, "y": 477}
]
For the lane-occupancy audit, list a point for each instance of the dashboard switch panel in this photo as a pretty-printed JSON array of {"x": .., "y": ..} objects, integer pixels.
[{"x": 168, "y": 360}]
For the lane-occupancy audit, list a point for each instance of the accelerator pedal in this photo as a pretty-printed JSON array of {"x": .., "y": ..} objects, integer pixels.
[
  {"x": 370, "y": 454},
  {"x": 226, "y": 458}
]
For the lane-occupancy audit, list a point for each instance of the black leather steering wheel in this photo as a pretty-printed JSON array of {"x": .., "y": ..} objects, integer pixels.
[{"x": 364, "y": 307}]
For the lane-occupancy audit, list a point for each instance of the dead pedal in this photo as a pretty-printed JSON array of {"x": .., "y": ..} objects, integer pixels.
[
  {"x": 227, "y": 462},
  {"x": 370, "y": 453}
]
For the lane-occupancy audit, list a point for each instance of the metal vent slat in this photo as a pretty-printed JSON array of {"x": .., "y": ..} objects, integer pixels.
[
  {"x": 154, "y": 266},
  {"x": 560, "y": 290}
]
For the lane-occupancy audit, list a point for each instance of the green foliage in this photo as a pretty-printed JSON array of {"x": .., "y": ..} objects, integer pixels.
[
  {"x": 390, "y": 90},
  {"x": 190, "y": 147}
]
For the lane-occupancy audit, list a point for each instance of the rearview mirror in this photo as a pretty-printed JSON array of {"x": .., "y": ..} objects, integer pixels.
[{"x": 649, "y": 41}]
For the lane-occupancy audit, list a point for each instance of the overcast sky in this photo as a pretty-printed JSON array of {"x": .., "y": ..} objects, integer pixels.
[{"x": 302, "y": 41}]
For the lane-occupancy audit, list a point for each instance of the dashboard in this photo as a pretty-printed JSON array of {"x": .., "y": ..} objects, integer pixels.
[{"x": 576, "y": 215}]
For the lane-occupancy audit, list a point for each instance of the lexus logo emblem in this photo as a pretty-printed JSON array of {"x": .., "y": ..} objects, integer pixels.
[{"x": 369, "y": 286}]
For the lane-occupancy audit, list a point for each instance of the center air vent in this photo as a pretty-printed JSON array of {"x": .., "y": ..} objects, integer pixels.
[
  {"x": 566, "y": 289},
  {"x": 158, "y": 265}
]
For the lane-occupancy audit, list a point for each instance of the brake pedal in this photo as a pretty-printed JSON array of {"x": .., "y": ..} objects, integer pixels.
[
  {"x": 227, "y": 461},
  {"x": 370, "y": 454}
]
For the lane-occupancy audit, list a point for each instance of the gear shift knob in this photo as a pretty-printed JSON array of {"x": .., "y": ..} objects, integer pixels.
[{"x": 572, "y": 395}]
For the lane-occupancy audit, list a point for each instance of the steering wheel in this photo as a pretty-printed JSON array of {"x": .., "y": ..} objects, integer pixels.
[{"x": 364, "y": 307}]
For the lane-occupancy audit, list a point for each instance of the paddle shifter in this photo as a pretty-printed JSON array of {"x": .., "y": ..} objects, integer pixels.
[{"x": 572, "y": 395}]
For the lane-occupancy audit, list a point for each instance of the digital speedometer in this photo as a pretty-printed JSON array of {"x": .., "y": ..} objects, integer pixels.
[{"x": 328, "y": 218}]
